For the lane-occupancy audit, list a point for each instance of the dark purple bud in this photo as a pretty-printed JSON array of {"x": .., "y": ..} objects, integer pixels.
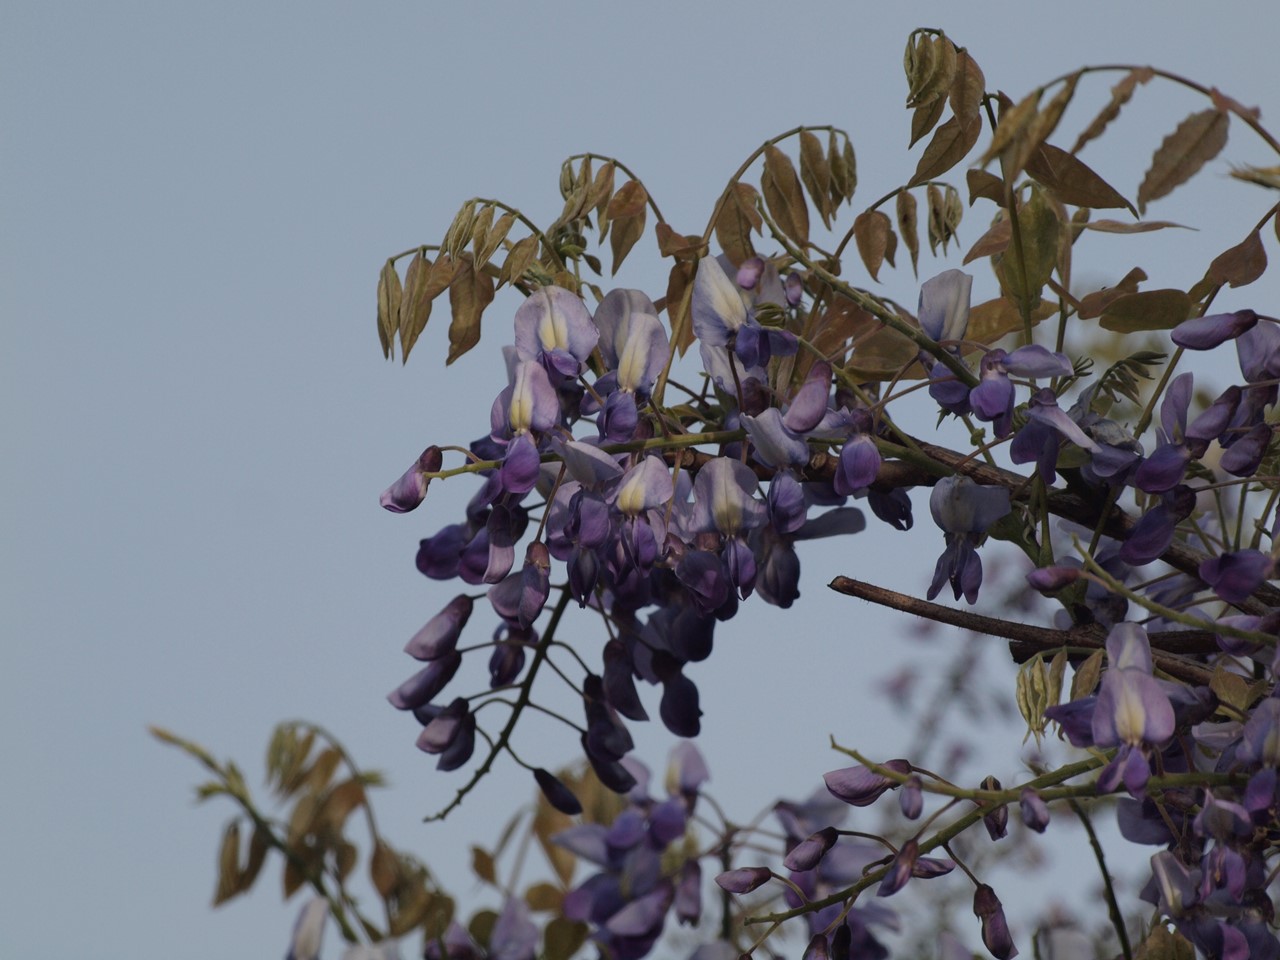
[
  {"x": 688, "y": 902},
  {"x": 438, "y": 556},
  {"x": 1035, "y": 812},
  {"x": 1243, "y": 457},
  {"x": 557, "y": 794},
  {"x": 619, "y": 682},
  {"x": 1049, "y": 579},
  {"x": 899, "y": 870},
  {"x": 995, "y": 928},
  {"x": 679, "y": 706},
  {"x": 858, "y": 465},
  {"x": 894, "y": 507},
  {"x": 911, "y": 799},
  {"x": 505, "y": 663},
  {"x": 440, "y": 635},
  {"x": 608, "y": 770},
  {"x": 927, "y": 868},
  {"x": 423, "y": 686},
  {"x": 1205, "y": 333},
  {"x": 842, "y": 943},
  {"x": 997, "y": 820},
  {"x": 535, "y": 582},
  {"x": 861, "y": 787},
  {"x": 1234, "y": 576},
  {"x": 1164, "y": 469},
  {"x": 817, "y": 948},
  {"x": 437, "y": 735},
  {"x": 807, "y": 854},
  {"x": 411, "y": 489},
  {"x": 744, "y": 879}
]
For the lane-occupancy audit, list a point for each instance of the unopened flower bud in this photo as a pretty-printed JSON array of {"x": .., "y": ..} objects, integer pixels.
[
  {"x": 911, "y": 799},
  {"x": 1049, "y": 579},
  {"x": 411, "y": 489},
  {"x": 995, "y": 928},
  {"x": 743, "y": 880},
  {"x": 1035, "y": 812},
  {"x": 557, "y": 794},
  {"x": 750, "y": 272},
  {"x": 807, "y": 854},
  {"x": 997, "y": 820},
  {"x": 861, "y": 787}
]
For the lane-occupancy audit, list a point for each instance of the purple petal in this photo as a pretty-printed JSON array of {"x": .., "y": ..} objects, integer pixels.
[
  {"x": 644, "y": 353},
  {"x": 613, "y": 318},
  {"x": 440, "y": 635},
  {"x": 992, "y": 398},
  {"x": 944, "y": 305},
  {"x": 1234, "y": 576},
  {"x": 858, "y": 465},
  {"x": 423, "y": 686},
  {"x": 1164, "y": 469},
  {"x": 861, "y": 787},
  {"x": 809, "y": 405},
  {"x": 716, "y": 304},
  {"x": 1037, "y": 361},
  {"x": 645, "y": 486},
  {"x": 1205, "y": 333},
  {"x": 521, "y": 466},
  {"x": 775, "y": 445},
  {"x": 744, "y": 879},
  {"x": 558, "y": 795},
  {"x": 411, "y": 489},
  {"x": 553, "y": 318},
  {"x": 1243, "y": 457},
  {"x": 959, "y": 505},
  {"x": 642, "y": 917}
]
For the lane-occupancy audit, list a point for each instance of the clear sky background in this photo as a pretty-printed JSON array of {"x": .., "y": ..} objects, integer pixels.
[{"x": 195, "y": 200}]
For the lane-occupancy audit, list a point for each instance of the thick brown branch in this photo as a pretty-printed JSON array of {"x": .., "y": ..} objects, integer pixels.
[{"x": 1027, "y": 640}]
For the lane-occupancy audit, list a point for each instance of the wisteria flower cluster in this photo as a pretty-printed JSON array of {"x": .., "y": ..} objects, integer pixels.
[{"x": 655, "y": 490}]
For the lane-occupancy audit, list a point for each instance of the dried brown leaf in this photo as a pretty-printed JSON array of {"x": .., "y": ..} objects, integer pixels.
[
  {"x": 995, "y": 240},
  {"x": 733, "y": 229},
  {"x": 924, "y": 118},
  {"x": 993, "y": 319},
  {"x": 626, "y": 215},
  {"x": 1147, "y": 310},
  {"x": 950, "y": 144},
  {"x": 482, "y": 865},
  {"x": 815, "y": 174},
  {"x": 494, "y": 237},
  {"x": 1092, "y": 304},
  {"x": 984, "y": 185},
  {"x": 469, "y": 294},
  {"x": 228, "y": 864},
  {"x": 968, "y": 88},
  {"x": 784, "y": 196},
  {"x": 679, "y": 245},
  {"x": 601, "y": 189},
  {"x": 1073, "y": 181},
  {"x": 871, "y": 232},
  {"x": 384, "y": 869},
  {"x": 906, "y": 210},
  {"x": 519, "y": 258},
  {"x": 1240, "y": 265},
  {"x": 1196, "y": 141},
  {"x": 1120, "y": 95},
  {"x": 389, "y": 294},
  {"x": 1013, "y": 130},
  {"x": 415, "y": 308},
  {"x": 934, "y": 79}
]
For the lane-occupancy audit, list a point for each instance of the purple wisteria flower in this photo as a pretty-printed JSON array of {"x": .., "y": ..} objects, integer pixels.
[
  {"x": 964, "y": 511},
  {"x": 992, "y": 398},
  {"x": 554, "y": 328},
  {"x": 1132, "y": 712},
  {"x": 411, "y": 489}
]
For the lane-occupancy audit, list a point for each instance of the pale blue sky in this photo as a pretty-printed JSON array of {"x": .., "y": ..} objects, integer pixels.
[{"x": 196, "y": 199}]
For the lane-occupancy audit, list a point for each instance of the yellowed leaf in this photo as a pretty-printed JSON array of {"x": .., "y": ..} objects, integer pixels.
[
  {"x": 984, "y": 185},
  {"x": 1092, "y": 304},
  {"x": 1073, "y": 181}
]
